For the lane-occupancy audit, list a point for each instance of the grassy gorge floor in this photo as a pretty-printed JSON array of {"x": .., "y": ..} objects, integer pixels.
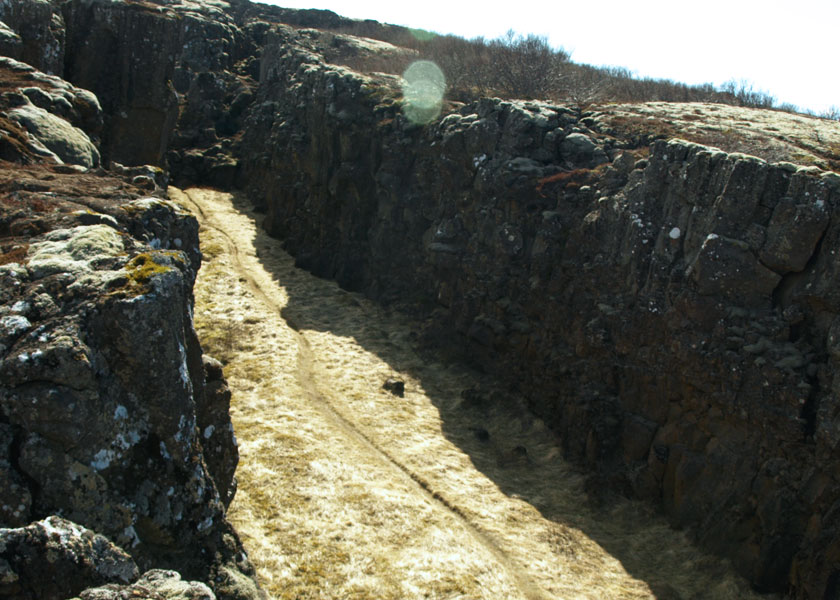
[{"x": 348, "y": 491}]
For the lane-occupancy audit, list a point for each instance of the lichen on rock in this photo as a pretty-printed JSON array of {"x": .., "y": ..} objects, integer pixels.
[
  {"x": 53, "y": 558},
  {"x": 97, "y": 328},
  {"x": 68, "y": 143},
  {"x": 156, "y": 584},
  {"x": 73, "y": 250}
]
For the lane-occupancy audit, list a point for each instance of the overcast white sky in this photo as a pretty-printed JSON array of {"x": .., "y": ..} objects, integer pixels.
[{"x": 788, "y": 49}]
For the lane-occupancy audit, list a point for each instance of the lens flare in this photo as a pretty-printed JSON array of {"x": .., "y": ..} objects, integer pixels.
[{"x": 423, "y": 87}]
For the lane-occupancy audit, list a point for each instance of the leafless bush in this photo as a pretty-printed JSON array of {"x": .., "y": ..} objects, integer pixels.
[
  {"x": 526, "y": 66},
  {"x": 832, "y": 113},
  {"x": 517, "y": 66},
  {"x": 744, "y": 94}
]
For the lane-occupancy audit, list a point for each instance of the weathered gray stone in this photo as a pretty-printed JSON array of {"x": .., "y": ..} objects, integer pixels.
[
  {"x": 793, "y": 233},
  {"x": 53, "y": 94},
  {"x": 56, "y": 558},
  {"x": 69, "y": 143},
  {"x": 155, "y": 585},
  {"x": 579, "y": 148},
  {"x": 728, "y": 268},
  {"x": 73, "y": 250}
]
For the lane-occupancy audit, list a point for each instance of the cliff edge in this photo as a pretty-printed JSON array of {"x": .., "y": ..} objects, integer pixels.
[
  {"x": 117, "y": 454},
  {"x": 667, "y": 307}
]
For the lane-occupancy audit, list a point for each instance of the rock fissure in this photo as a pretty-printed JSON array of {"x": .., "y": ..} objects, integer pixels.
[
  {"x": 361, "y": 436},
  {"x": 671, "y": 312}
]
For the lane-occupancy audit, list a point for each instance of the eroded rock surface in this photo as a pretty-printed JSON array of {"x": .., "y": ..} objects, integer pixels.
[
  {"x": 105, "y": 400},
  {"x": 54, "y": 558},
  {"x": 46, "y": 118},
  {"x": 153, "y": 585},
  {"x": 68, "y": 143}
]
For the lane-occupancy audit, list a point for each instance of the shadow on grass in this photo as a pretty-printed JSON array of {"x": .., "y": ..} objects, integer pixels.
[{"x": 504, "y": 441}]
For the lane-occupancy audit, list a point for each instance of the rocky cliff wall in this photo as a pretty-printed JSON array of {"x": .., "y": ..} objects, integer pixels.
[
  {"x": 671, "y": 313},
  {"x": 109, "y": 414},
  {"x": 174, "y": 78}
]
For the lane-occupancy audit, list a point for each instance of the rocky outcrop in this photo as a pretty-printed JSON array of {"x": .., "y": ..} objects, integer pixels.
[
  {"x": 106, "y": 402},
  {"x": 670, "y": 315},
  {"x": 47, "y": 118},
  {"x": 139, "y": 96},
  {"x": 110, "y": 416},
  {"x": 54, "y": 557},
  {"x": 67, "y": 143},
  {"x": 156, "y": 585},
  {"x": 33, "y": 32}
]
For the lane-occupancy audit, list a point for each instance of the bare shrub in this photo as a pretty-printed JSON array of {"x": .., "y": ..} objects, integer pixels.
[
  {"x": 743, "y": 94},
  {"x": 832, "y": 113},
  {"x": 527, "y": 67}
]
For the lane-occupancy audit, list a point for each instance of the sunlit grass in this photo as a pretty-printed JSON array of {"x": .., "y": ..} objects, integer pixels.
[{"x": 346, "y": 491}]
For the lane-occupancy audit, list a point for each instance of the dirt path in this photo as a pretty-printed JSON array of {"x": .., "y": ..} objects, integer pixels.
[{"x": 348, "y": 491}]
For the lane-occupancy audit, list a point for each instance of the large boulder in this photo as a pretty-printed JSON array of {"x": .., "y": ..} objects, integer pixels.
[{"x": 69, "y": 144}]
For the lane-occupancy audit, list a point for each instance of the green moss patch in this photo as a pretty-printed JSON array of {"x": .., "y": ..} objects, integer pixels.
[
  {"x": 143, "y": 267},
  {"x": 140, "y": 271}
]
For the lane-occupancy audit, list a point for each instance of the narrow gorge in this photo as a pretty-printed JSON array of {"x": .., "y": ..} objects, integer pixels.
[
  {"x": 523, "y": 350},
  {"x": 431, "y": 491}
]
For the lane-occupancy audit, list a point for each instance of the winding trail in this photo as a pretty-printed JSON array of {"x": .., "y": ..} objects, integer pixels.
[{"x": 347, "y": 491}]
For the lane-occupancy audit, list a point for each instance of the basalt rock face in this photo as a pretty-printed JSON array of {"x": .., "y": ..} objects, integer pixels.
[
  {"x": 174, "y": 78},
  {"x": 137, "y": 57},
  {"x": 671, "y": 313},
  {"x": 33, "y": 32},
  {"x": 106, "y": 402}
]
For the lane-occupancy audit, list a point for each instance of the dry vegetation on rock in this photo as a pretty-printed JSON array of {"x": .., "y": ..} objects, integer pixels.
[
  {"x": 775, "y": 136},
  {"x": 528, "y": 67}
]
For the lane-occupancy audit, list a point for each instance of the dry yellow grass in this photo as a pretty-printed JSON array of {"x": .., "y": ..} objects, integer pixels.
[
  {"x": 346, "y": 491},
  {"x": 773, "y": 135}
]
